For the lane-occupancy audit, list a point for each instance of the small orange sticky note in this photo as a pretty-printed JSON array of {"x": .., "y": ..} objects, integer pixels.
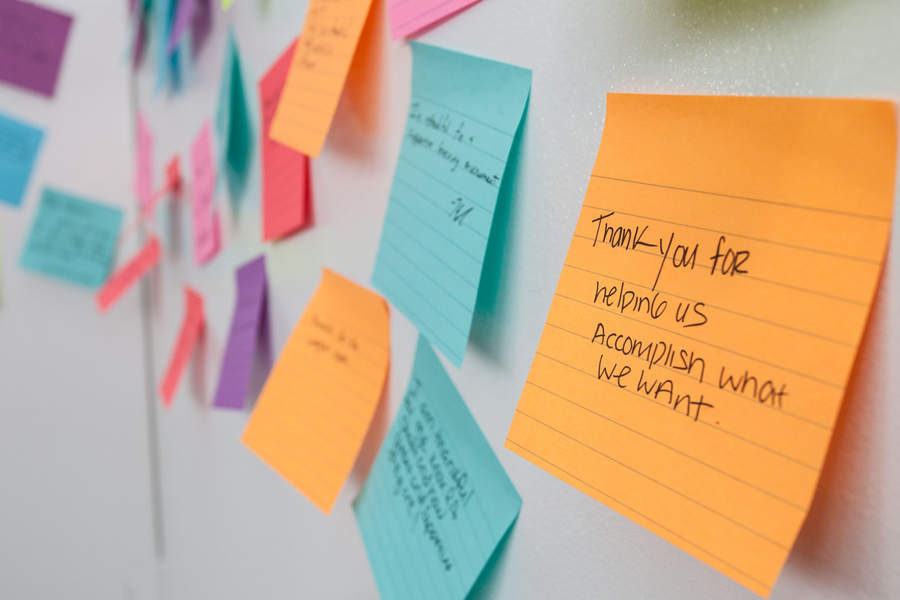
[
  {"x": 318, "y": 71},
  {"x": 131, "y": 273},
  {"x": 313, "y": 413},
  {"x": 191, "y": 330},
  {"x": 708, "y": 315}
]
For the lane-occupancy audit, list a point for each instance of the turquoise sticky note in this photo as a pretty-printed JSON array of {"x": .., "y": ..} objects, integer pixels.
[
  {"x": 72, "y": 238},
  {"x": 19, "y": 144},
  {"x": 463, "y": 117},
  {"x": 437, "y": 501},
  {"x": 233, "y": 127}
]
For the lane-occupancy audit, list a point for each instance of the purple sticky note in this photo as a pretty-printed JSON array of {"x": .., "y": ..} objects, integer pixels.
[
  {"x": 184, "y": 13},
  {"x": 32, "y": 42},
  {"x": 247, "y": 329}
]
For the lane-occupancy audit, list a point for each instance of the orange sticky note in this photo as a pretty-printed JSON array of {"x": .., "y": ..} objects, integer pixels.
[
  {"x": 124, "y": 278},
  {"x": 318, "y": 71},
  {"x": 708, "y": 315},
  {"x": 316, "y": 407},
  {"x": 191, "y": 329},
  {"x": 285, "y": 178}
]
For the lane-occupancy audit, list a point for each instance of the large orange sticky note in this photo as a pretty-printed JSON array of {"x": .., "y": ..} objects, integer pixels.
[
  {"x": 316, "y": 407},
  {"x": 708, "y": 314},
  {"x": 318, "y": 71}
]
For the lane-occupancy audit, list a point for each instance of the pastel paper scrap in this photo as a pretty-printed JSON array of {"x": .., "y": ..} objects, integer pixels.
[
  {"x": 205, "y": 218},
  {"x": 122, "y": 280},
  {"x": 463, "y": 118},
  {"x": 410, "y": 16},
  {"x": 32, "y": 44},
  {"x": 184, "y": 13},
  {"x": 143, "y": 173},
  {"x": 233, "y": 126},
  {"x": 72, "y": 238},
  {"x": 19, "y": 145},
  {"x": 285, "y": 171},
  {"x": 437, "y": 502},
  {"x": 191, "y": 330},
  {"x": 247, "y": 328}
]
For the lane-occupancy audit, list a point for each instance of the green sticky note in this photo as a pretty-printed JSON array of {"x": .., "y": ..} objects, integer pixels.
[
  {"x": 463, "y": 117},
  {"x": 233, "y": 128},
  {"x": 437, "y": 501},
  {"x": 72, "y": 238}
]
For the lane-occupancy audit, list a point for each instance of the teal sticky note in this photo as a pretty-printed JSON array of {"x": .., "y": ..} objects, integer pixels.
[
  {"x": 437, "y": 501},
  {"x": 72, "y": 238},
  {"x": 19, "y": 144},
  {"x": 463, "y": 117},
  {"x": 233, "y": 128}
]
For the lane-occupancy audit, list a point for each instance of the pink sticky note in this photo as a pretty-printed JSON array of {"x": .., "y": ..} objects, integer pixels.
[
  {"x": 205, "y": 218},
  {"x": 409, "y": 16},
  {"x": 143, "y": 173},
  {"x": 191, "y": 329},
  {"x": 128, "y": 275},
  {"x": 285, "y": 171}
]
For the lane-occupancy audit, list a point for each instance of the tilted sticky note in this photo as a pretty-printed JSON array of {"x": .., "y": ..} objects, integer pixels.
[
  {"x": 32, "y": 44},
  {"x": 318, "y": 71},
  {"x": 285, "y": 172},
  {"x": 437, "y": 501},
  {"x": 233, "y": 126},
  {"x": 143, "y": 172},
  {"x": 708, "y": 315},
  {"x": 191, "y": 330},
  {"x": 184, "y": 14},
  {"x": 72, "y": 238},
  {"x": 249, "y": 330},
  {"x": 410, "y": 16},
  {"x": 316, "y": 407},
  {"x": 19, "y": 144},
  {"x": 133, "y": 271},
  {"x": 204, "y": 217},
  {"x": 462, "y": 121}
]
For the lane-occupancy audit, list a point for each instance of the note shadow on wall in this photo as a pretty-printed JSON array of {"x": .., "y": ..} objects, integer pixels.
[
  {"x": 841, "y": 544},
  {"x": 493, "y": 299}
]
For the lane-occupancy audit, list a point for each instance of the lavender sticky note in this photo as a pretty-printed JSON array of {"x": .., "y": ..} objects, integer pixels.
[
  {"x": 249, "y": 326},
  {"x": 19, "y": 145},
  {"x": 32, "y": 42}
]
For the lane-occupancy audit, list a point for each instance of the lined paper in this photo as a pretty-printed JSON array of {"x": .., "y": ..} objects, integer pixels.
[
  {"x": 708, "y": 315},
  {"x": 316, "y": 407},
  {"x": 410, "y": 16},
  {"x": 72, "y": 238},
  {"x": 285, "y": 172},
  {"x": 437, "y": 501},
  {"x": 32, "y": 44},
  {"x": 462, "y": 121},
  {"x": 204, "y": 217},
  {"x": 19, "y": 145},
  {"x": 249, "y": 323},
  {"x": 122, "y": 280},
  {"x": 191, "y": 330},
  {"x": 318, "y": 71}
]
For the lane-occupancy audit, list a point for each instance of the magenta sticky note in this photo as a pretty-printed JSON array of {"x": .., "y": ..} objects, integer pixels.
[
  {"x": 143, "y": 171},
  {"x": 32, "y": 43},
  {"x": 409, "y": 16},
  {"x": 203, "y": 188},
  {"x": 248, "y": 332}
]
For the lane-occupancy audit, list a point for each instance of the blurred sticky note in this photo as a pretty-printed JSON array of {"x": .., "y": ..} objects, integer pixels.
[
  {"x": 462, "y": 121},
  {"x": 233, "y": 126},
  {"x": 317, "y": 74},
  {"x": 143, "y": 172},
  {"x": 410, "y": 16},
  {"x": 437, "y": 501},
  {"x": 19, "y": 144},
  {"x": 249, "y": 325},
  {"x": 708, "y": 315},
  {"x": 32, "y": 44},
  {"x": 181, "y": 21},
  {"x": 285, "y": 171},
  {"x": 132, "y": 272},
  {"x": 72, "y": 238},
  {"x": 204, "y": 217},
  {"x": 191, "y": 330},
  {"x": 312, "y": 416}
]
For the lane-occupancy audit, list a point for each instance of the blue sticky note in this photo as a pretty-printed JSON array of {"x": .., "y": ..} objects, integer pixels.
[
  {"x": 19, "y": 144},
  {"x": 463, "y": 118},
  {"x": 233, "y": 127},
  {"x": 437, "y": 502},
  {"x": 72, "y": 238}
]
